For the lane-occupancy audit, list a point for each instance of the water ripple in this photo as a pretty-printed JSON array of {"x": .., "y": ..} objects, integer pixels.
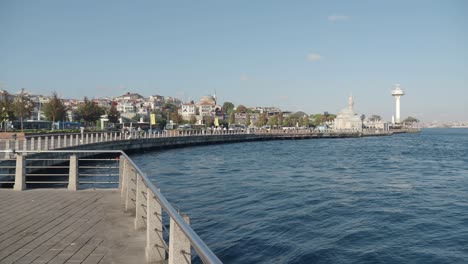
[{"x": 399, "y": 199}]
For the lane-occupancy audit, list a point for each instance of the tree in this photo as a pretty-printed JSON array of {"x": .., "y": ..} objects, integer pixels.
[
  {"x": 6, "y": 111},
  {"x": 22, "y": 106},
  {"x": 319, "y": 119},
  {"x": 304, "y": 121},
  {"x": 161, "y": 118},
  {"x": 262, "y": 120},
  {"x": 193, "y": 120},
  {"x": 375, "y": 118},
  {"x": 273, "y": 121},
  {"x": 113, "y": 115},
  {"x": 247, "y": 120},
  {"x": 176, "y": 117},
  {"x": 241, "y": 109},
  {"x": 168, "y": 107},
  {"x": 209, "y": 121},
  {"x": 279, "y": 122},
  {"x": 54, "y": 109},
  {"x": 410, "y": 120},
  {"x": 232, "y": 118},
  {"x": 228, "y": 107},
  {"x": 89, "y": 111}
]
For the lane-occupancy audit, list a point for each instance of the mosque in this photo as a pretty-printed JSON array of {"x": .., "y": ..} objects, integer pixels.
[{"x": 347, "y": 118}]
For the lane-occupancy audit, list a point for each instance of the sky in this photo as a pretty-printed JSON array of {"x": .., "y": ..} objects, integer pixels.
[{"x": 296, "y": 55}]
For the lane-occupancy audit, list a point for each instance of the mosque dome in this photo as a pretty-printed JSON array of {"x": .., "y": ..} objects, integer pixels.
[{"x": 208, "y": 100}]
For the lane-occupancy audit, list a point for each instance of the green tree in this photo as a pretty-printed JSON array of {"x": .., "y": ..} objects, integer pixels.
[
  {"x": 273, "y": 121},
  {"x": 410, "y": 120},
  {"x": 168, "y": 107},
  {"x": 232, "y": 118},
  {"x": 262, "y": 120},
  {"x": 304, "y": 121},
  {"x": 228, "y": 107},
  {"x": 193, "y": 120},
  {"x": 161, "y": 119},
  {"x": 279, "y": 122},
  {"x": 22, "y": 106},
  {"x": 113, "y": 115},
  {"x": 54, "y": 109},
  {"x": 176, "y": 117},
  {"x": 247, "y": 119},
  {"x": 241, "y": 109},
  {"x": 89, "y": 112},
  {"x": 375, "y": 118},
  {"x": 6, "y": 109},
  {"x": 208, "y": 120},
  {"x": 288, "y": 122}
]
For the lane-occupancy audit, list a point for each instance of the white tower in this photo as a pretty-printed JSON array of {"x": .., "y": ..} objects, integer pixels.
[{"x": 397, "y": 93}]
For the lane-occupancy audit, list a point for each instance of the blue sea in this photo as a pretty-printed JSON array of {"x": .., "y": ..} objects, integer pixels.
[{"x": 395, "y": 199}]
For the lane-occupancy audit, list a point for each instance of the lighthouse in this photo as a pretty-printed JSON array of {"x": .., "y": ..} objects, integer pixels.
[{"x": 397, "y": 93}]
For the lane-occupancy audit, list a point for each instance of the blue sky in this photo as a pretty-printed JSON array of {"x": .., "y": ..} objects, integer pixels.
[{"x": 297, "y": 55}]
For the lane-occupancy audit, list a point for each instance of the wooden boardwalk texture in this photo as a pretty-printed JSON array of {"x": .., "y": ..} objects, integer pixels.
[{"x": 61, "y": 226}]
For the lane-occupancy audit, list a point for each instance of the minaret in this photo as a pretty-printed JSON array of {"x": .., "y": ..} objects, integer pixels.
[{"x": 397, "y": 93}]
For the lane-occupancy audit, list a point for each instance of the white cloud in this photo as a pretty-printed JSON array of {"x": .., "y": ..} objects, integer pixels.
[
  {"x": 314, "y": 57},
  {"x": 336, "y": 18}
]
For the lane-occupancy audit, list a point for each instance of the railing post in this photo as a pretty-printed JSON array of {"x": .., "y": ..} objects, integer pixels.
[
  {"x": 64, "y": 141},
  {"x": 33, "y": 144},
  {"x": 25, "y": 144},
  {"x": 39, "y": 143},
  {"x": 52, "y": 142},
  {"x": 73, "y": 173},
  {"x": 179, "y": 245},
  {"x": 20, "y": 174},
  {"x": 46, "y": 143},
  {"x": 121, "y": 173},
  {"x": 155, "y": 245},
  {"x": 92, "y": 138},
  {"x": 131, "y": 190},
  {"x": 7, "y": 146},
  {"x": 87, "y": 138},
  {"x": 140, "y": 203}
]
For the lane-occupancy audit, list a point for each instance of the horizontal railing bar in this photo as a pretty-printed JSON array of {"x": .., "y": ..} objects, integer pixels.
[
  {"x": 46, "y": 181},
  {"x": 96, "y": 167},
  {"x": 44, "y": 174},
  {"x": 7, "y": 174},
  {"x": 101, "y": 159},
  {"x": 7, "y": 182},
  {"x": 48, "y": 167},
  {"x": 7, "y": 167},
  {"x": 97, "y": 174},
  {"x": 42, "y": 159},
  {"x": 90, "y": 182}
]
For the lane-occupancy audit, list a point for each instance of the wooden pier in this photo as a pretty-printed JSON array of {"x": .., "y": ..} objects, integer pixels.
[
  {"x": 131, "y": 222},
  {"x": 61, "y": 226}
]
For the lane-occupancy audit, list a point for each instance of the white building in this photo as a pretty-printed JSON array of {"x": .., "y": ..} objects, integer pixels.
[
  {"x": 347, "y": 118},
  {"x": 187, "y": 111}
]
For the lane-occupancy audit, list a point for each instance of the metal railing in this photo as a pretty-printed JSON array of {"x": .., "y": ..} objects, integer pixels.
[
  {"x": 58, "y": 141},
  {"x": 139, "y": 195}
]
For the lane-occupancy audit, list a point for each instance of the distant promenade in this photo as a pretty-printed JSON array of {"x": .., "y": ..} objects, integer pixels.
[{"x": 133, "y": 142}]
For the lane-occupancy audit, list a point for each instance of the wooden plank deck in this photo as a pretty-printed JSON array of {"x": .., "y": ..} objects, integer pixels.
[{"x": 61, "y": 226}]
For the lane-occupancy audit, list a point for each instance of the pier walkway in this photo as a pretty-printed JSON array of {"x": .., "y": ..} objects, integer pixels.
[
  {"x": 61, "y": 226},
  {"x": 51, "y": 212}
]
